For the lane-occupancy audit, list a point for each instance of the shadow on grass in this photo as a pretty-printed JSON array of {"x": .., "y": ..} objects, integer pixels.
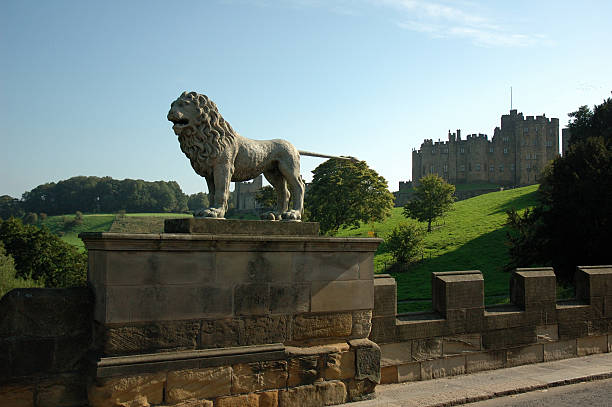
[
  {"x": 486, "y": 253},
  {"x": 520, "y": 202}
]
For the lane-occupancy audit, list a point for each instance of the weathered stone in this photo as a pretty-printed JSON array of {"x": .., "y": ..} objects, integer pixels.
[
  {"x": 477, "y": 362},
  {"x": 31, "y": 356},
  {"x": 66, "y": 390},
  {"x": 360, "y": 389},
  {"x": 395, "y": 353},
  {"x": 245, "y": 400},
  {"x": 461, "y": 344},
  {"x": 289, "y": 298},
  {"x": 560, "y": 350},
  {"x": 268, "y": 399},
  {"x": 70, "y": 352},
  {"x": 339, "y": 365},
  {"x": 242, "y": 227},
  {"x": 457, "y": 290},
  {"x": 17, "y": 395},
  {"x": 409, "y": 372},
  {"x": 385, "y": 296},
  {"x": 333, "y": 296},
  {"x": 140, "y": 390},
  {"x": 151, "y": 337},
  {"x": 326, "y": 266},
  {"x": 251, "y": 377},
  {"x": 302, "y": 370},
  {"x": 253, "y": 266},
  {"x": 503, "y": 338},
  {"x": 320, "y": 394},
  {"x": 591, "y": 345},
  {"x": 547, "y": 333},
  {"x": 367, "y": 359},
  {"x": 427, "y": 326},
  {"x": 309, "y": 326},
  {"x": 243, "y": 331},
  {"x": 192, "y": 403},
  {"x": 384, "y": 330},
  {"x": 531, "y": 287},
  {"x": 198, "y": 383},
  {"x": 362, "y": 324},
  {"x": 426, "y": 348},
  {"x": 525, "y": 355},
  {"x": 388, "y": 375},
  {"x": 251, "y": 299},
  {"x": 447, "y": 366}
]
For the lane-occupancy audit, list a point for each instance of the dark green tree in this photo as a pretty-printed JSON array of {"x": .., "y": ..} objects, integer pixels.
[
  {"x": 346, "y": 193},
  {"x": 266, "y": 197},
  {"x": 405, "y": 242},
  {"x": 197, "y": 201},
  {"x": 432, "y": 198},
  {"x": 572, "y": 224}
]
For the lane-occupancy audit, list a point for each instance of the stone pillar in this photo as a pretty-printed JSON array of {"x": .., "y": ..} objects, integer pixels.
[
  {"x": 385, "y": 309},
  {"x": 535, "y": 290},
  {"x": 459, "y": 297},
  {"x": 594, "y": 286}
]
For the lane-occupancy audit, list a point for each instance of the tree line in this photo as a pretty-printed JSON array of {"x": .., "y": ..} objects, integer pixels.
[{"x": 101, "y": 195}]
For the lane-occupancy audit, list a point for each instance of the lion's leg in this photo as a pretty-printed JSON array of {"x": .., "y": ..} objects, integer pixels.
[
  {"x": 203, "y": 212},
  {"x": 291, "y": 173},
  {"x": 276, "y": 179},
  {"x": 221, "y": 182}
]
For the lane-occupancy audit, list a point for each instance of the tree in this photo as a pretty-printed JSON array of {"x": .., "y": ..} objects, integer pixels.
[
  {"x": 10, "y": 207},
  {"x": 345, "y": 193},
  {"x": 197, "y": 201},
  {"x": 432, "y": 198},
  {"x": 266, "y": 197},
  {"x": 405, "y": 242},
  {"x": 572, "y": 223},
  {"x": 8, "y": 278}
]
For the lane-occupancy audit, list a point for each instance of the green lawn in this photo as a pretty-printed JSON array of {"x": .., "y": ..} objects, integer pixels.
[{"x": 470, "y": 237}]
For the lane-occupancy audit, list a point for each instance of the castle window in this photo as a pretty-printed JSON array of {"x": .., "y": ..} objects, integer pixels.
[
  {"x": 491, "y": 149},
  {"x": 478, "y": 167},
  {"x": 537, "y": 130},
  {"x": 491, "y": 168},
  {"x": 462, "y": 168},
  {"x": 462, "y": 150},
  {"x": 423, "y": 170},
  {"x": 535, "y": 141},
  {"x": 526, "y": 130},
  {"x": 501, "y": 167},
  {"x": 506, "y": 139},
  {"x": 433, "y": 150},
  {"x": 512, "y": 167},
  {"x": 527, "y": 156},
  {"x": 470, "y": 166},
  {"x": 505, "y": 151},
  {"x": 549, "y": 143},
  {"x": 445, "y": 151},
  {"x": 528, "y": 165},
  {"x": 445, "y": 167},
  {"x": 432, "y": 169}
]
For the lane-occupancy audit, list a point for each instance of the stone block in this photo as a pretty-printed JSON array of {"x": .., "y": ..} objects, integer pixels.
[
  {"x": 17, "y": 395},
  {"x": 573, "y": 330},
  {"x": 393, "y": 354},
  {"x": 503, "y": 338},
  {"x": 388, "y": 375},
  {"x": 131, "y": 267},
  {"x": 507, "y": 317},
  {"x": 367, "y": 359},
  {"x": 243, "y": 331},
  {"x": 70, "y": 351},
  {"x": 457, "y": 290},
  {"x": 429, "y": 348},
  {"x": 150, "y": 337},
  {"x": 326, "y": 393},
  {"x": 253, "y": 267},
  {"x": 525, "y": 355},
  {"x": 609, "y": 343},
  {"x": 302, "y": 370},
  {"x": 257, "y": 376},
  {"x": 68, "y": 390},
  {"x": 591, "y": 345},
  {"x": 421, "y": 328},
  {"x": 289, "y": 298},
  {"x": 461, "y": 344},
  {"x": 245, "y": 400},
  {"x": 477, "y": 362},
  {"x": 384, "y": 329},
  {"x": 362, "y": 324},
  {"x": 137, "y": 390},
  {"x": 327, "y": 266},
  {"x": 32, "y": 356},
  {"x": 547, "y": 333},
  {"x": 446, "y": 366},
  {"x": 240, "y": 227},
  {"x": 268, "y": 399},
  {"x": 593, "y": 281},
  {"x": 198, "y": 383},
  {"x": 311, "y": 326},
  {"x": 409, "y": 372},
  {"x": 385, "y": 297},
  {"x": 333, "y": 296},
  {"x": 532, "y": 286},
  {"x": 251, "y": 299},
  {"x": 560, "y": 350},
  {"x": 126, "y": 304},
  {"x": 358, "y": 390},
  {"x": 193, "y": 403},
  {"x": 339, "y": 365}
]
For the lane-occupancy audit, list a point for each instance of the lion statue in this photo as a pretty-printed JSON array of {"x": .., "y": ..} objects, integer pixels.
[{"x": 221, "y": 156}]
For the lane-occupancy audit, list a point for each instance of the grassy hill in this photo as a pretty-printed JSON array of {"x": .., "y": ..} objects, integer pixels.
[{"x": 470, "y": 237}]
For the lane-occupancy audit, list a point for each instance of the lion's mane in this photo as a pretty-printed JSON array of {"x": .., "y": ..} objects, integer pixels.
[{"x": 209, "y": 135}]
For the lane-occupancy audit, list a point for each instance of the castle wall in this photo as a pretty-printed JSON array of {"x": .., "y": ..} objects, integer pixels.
[
  {"x": 516, "y": 155},
  {"x": 245, "y": 193}
]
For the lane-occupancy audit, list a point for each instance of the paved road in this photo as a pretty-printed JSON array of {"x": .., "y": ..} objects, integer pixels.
[{"x": 592, "y": 394}]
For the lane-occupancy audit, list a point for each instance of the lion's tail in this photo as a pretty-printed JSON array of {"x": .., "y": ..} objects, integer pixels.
[{"x": 310, "y": 154}]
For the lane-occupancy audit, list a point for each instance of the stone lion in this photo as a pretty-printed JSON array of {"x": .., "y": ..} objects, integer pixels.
[{"x": 221, "y": 155}]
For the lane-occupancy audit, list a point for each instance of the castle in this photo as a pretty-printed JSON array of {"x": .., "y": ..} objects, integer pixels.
[{"x": 516, "y": 154}]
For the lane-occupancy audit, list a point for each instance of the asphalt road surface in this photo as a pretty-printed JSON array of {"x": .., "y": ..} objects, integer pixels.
[{"x": 590, "y": 394}]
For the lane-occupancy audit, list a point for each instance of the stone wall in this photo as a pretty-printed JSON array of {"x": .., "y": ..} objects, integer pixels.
[
  {"x": 462, "y": 336},
  {"x": 45, "y": 335}
]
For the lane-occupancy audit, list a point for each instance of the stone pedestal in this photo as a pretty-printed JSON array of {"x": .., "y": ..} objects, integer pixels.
[{"x": 182, "y": 301}]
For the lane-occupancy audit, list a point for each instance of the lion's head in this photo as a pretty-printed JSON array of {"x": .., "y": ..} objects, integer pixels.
[{"x": 201, "y": 130}]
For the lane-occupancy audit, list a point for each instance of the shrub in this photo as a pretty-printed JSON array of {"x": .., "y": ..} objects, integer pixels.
[
  {"x": 31, "y": 218},
  {"x": 405, "y": 242},
  {"x": 8, "y": 278}
]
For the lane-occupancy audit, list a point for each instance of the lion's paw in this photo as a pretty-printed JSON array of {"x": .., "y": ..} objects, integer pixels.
[
  {"x": 291, "y": 216},
  {"x": 268, "y": 216},
  {"x": 209, "y": 213}
]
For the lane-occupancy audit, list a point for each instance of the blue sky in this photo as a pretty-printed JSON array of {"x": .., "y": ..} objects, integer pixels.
[{"x": 85, "y": 86}]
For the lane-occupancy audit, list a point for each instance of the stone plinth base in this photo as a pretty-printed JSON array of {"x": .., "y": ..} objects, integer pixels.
[{"x": 240, "y": 227}]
